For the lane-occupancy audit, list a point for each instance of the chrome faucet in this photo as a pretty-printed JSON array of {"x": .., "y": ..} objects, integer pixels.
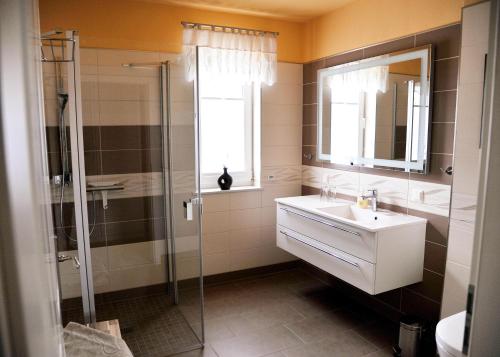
[{"x": 373, "y": 198}]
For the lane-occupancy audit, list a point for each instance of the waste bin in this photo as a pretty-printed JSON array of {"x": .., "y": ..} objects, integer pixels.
[{"x": 410, "y": 336}]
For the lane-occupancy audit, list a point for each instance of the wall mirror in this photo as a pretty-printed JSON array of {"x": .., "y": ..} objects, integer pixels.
[{"x": 375, "y": 112}]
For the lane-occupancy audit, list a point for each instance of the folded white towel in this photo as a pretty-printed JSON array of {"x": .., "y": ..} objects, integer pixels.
[{"x": 83, "y": 341}]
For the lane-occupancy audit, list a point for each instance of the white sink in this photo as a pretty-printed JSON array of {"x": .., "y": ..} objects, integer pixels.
[
  {"x": 368, "y": 219},
  {"x": 345, "y": 212}
]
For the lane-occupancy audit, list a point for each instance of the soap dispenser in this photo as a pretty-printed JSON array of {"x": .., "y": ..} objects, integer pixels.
[{"x": 362, "y": 202}]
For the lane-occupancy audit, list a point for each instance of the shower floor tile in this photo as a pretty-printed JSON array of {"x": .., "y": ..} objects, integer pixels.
[{"x": 150, "y": 325}]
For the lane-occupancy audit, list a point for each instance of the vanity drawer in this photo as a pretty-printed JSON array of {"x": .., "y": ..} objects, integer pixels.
[
  {"x": 357, "y": 242},
  {"x": 349, "y": 268}
]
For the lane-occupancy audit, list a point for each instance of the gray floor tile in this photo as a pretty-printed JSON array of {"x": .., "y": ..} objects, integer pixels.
[
  {"x": 258, "y": 343},
  {"x": 345, "y": 344}
]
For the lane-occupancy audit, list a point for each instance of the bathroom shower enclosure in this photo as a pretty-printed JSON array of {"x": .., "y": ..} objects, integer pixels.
[{"x": 123, "y": 157}]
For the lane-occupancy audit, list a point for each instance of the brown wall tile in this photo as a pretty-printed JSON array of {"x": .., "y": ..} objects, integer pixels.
[
  {"x": 310, "y": 150},
  {"x": 436, "y": 175},
  {"x": 308, "y": 190},
  {"x": 309, "y": 134},
  {"x": 131, "y": 161},
  {"x": 128, "y": 209},
  {"x": 435, "y": 257},
  {"x": 92, "y": 163},
  {"x": 446, "y": 74},
  {"x": 134, "y": 231},
  {"x": 310, "y": 70},
  {"x": 310, "y": 114},
  {"x": 388, "y": 47},
  {"x": 310, "y": 95},
  {"x": 442, "y": 138},
  {"x": 343, "y": 58},
  {"x": 91, "y": 138},
  {"x": 414, "y": 304},
  {"x": 131, "y": 137},
  {"x": 430, "y": 287},
  {"x": 446, "y": 41},
  {"x": 437, "y": 226},
  {"x": 444, "y": 106}
]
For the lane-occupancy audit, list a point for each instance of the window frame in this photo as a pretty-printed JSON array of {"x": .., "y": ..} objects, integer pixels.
[{"x": 208, "y": 181}]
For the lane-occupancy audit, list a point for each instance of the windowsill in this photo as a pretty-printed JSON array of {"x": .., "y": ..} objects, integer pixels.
[{"x": 212, "y": 191}]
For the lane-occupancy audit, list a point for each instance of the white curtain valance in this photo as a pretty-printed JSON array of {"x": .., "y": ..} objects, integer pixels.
[
  {"x": 248, "y": 57},
  {"x": 372, "y": 79}
]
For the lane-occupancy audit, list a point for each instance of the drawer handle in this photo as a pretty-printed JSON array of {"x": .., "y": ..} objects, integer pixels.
[
  {"x": 320, "y": 221},
  {"x": 322, "y": 250}
]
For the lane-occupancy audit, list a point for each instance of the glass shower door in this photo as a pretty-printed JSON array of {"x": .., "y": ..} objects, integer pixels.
[{"x": 127, "y": 169}]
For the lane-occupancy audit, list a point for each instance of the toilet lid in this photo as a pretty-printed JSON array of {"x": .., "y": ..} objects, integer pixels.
[{"x": 450, "y": 333}]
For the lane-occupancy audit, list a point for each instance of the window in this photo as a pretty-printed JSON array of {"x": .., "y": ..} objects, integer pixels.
[{"x": 226, "y": 133}]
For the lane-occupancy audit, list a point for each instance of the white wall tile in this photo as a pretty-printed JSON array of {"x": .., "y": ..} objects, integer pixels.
[
  {"x": 436, "y": 197},
  {"x": 120, "y": 112},
  {"x": 455, "y": 289},
  {"x": 281, "y": 114},
  {"x": 289, "y": 73},
  {"x": 460, "y": 242},
  {"x": 129, "y": 88},
  {"x": 463, "y": 207},
  {"x": 282, "y": 93},
  {"x": 114, "y": 57},
  {"x": 390, "y": 190}
]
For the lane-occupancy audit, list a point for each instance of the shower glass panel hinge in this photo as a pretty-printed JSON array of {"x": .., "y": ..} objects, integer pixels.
[{"x": 188, "y": 207}]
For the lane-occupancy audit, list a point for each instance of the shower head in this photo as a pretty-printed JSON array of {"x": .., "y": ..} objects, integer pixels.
[{"x": 63, "y": 100}]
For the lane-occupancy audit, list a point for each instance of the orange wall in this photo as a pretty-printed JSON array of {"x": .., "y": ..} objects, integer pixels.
[
  {"x": 153, "y": 26},
  {"x": 156, "y": 27},
  {"x": 366, "y": 22}
]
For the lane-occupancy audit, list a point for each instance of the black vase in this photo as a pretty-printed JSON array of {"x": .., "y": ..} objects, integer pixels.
[{"x": 225, "y": 180}]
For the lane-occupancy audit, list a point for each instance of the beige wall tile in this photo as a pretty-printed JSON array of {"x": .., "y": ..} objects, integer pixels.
[
  {"x": 244, "y": 200},
  {"x": 271, "y": 192},
  {"x": 129, "y": 255},
  {"x": 215, "y": 222},
  {"x": 245, "y": 238},
  {"x": 216, "y": 243},
  {"x": 281, "y": 156},
  {"x": 281, "y": 135},
  {"x": 245, "y": 218},
  {"x": 216, "y": 203},
  {"x": 216, "y": 263}
]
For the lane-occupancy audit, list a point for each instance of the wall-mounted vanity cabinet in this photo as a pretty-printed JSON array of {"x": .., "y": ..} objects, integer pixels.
[{"x": 373, "y": 251}]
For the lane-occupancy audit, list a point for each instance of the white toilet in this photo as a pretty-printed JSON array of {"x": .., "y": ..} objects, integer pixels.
[{"x": 450, "y": 335}]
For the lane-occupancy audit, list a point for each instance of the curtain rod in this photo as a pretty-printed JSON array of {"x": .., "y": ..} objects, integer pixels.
[{"x": 224, "y": 28}]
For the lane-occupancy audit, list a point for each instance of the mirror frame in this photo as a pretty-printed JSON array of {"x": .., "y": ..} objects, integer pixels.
[{"x": 424, "y": 53}]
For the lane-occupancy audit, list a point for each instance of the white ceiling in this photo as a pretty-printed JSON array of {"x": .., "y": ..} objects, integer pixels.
[{"x": 294, "y": 10}]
